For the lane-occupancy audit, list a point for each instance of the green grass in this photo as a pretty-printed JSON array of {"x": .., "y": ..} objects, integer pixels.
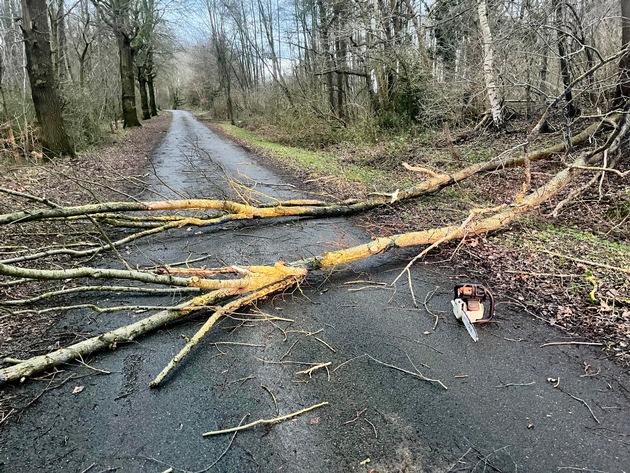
[
  {"x": 318, "y": 162},
  {"x": 552, "y": 232},
  {"x": 569, "y": 241}
]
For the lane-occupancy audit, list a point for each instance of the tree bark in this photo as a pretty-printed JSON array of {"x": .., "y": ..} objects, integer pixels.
[
  {"x": 494, "y": 93},
  {"x": 623, "y": 86},
  {"x": 572, "y": 110},
  {"x": 39, "y": 65},
  {"x": 144, "y": 98},
  {"x": 127, "y": 82}
]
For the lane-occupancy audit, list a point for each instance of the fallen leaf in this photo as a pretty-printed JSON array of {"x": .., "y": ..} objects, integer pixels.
[
  {"x": 78, "y": 389},
  {"x": 314, "y": 421},
  {"x": 365, "y": 462}
]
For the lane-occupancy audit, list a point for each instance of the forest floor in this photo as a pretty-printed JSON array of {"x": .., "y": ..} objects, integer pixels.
[{"x": 570, "y": 269}]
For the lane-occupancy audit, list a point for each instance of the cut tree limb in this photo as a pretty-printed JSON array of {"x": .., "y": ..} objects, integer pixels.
[
  {"x": 287, "y": 281},
  {"x": 451, "y": 232},
  {"x": 296, "y": 208}
]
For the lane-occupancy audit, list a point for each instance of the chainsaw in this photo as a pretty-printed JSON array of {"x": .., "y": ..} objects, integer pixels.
[{"x": 473, "y": 304}]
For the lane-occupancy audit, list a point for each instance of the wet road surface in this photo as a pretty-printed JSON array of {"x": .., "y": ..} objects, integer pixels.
[{"x": 500, "y": 412}]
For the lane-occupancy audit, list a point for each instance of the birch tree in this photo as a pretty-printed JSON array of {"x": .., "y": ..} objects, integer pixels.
[{"x": 493, "y": 91}]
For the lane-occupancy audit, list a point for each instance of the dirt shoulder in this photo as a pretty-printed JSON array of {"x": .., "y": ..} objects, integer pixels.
[{"x": 570, "y": 270}]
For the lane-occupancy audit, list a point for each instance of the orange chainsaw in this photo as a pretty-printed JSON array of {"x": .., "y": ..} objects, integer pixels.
[{"x": 473, "y": 304}]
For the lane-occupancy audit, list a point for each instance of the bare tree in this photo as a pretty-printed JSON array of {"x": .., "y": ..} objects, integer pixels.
[
  {"x": 560, "y": 20},
  {"x": 623, "y": 87},
  {"x": 117, "y": 15}
]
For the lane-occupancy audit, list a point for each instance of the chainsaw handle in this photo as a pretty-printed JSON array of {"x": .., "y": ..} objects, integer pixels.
[{"x": 490, "y": 310}]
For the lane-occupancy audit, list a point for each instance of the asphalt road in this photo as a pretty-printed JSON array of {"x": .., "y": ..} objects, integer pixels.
[{"x": 500, "y": 412}]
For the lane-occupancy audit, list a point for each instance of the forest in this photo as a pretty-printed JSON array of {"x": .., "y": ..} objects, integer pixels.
[
  {"x": 217, "y": 209},
  {"x": 318, "y": 71}
]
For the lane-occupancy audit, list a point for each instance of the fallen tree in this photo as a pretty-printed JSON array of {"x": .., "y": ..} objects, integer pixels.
[
  {"x": 294, "y": 208},
  {"x": 224, "y": 211},
  {"x": 258, "y": 282}
]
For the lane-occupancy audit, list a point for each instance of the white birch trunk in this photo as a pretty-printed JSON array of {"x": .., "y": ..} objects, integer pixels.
[{"x": 494, "y": 94}]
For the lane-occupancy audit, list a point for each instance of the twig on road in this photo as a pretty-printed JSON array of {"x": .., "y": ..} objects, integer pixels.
[
  {"x": 356, "y": 417},
  {"x": 571, "y": 343},
  {"x": 557, "y": 386},
  {"x": 427, "y": 298},
  {"x": 402, "y": 370},
  {"x": 275, "y": 403},
  {"x": 310, "y": 370},
  {"x": 325, "y": 344},
  {"x": 265, "y": 421}
]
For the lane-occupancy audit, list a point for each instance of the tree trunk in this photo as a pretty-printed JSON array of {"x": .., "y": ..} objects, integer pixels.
[
  {"x": 128, "y": 87},
  {"x": 150, "y": 84},
  {"x": 152, "y": 101},
  {"x": 144, "y": 98},
  {"x": 61, "y": 59},
  {"x": 623, "y": 87},
  {"x": 340, "y": 76},
  {"x": 572, "y": 110},
  {"x": 542, "y": 88},
  {"x": 494, "y": 94},
  {"x": 230, "y": 106},
  {"x": 5, "y": 111},
  {"x": 46, "y": 100},
  {"x": 341, "y": 51},
  {"x": 328, "y": 63}
]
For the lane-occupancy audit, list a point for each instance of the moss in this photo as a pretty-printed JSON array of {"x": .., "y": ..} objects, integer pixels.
[
  {"x": 552, "y": 232},
  {"x": 478, "y": 154}
]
